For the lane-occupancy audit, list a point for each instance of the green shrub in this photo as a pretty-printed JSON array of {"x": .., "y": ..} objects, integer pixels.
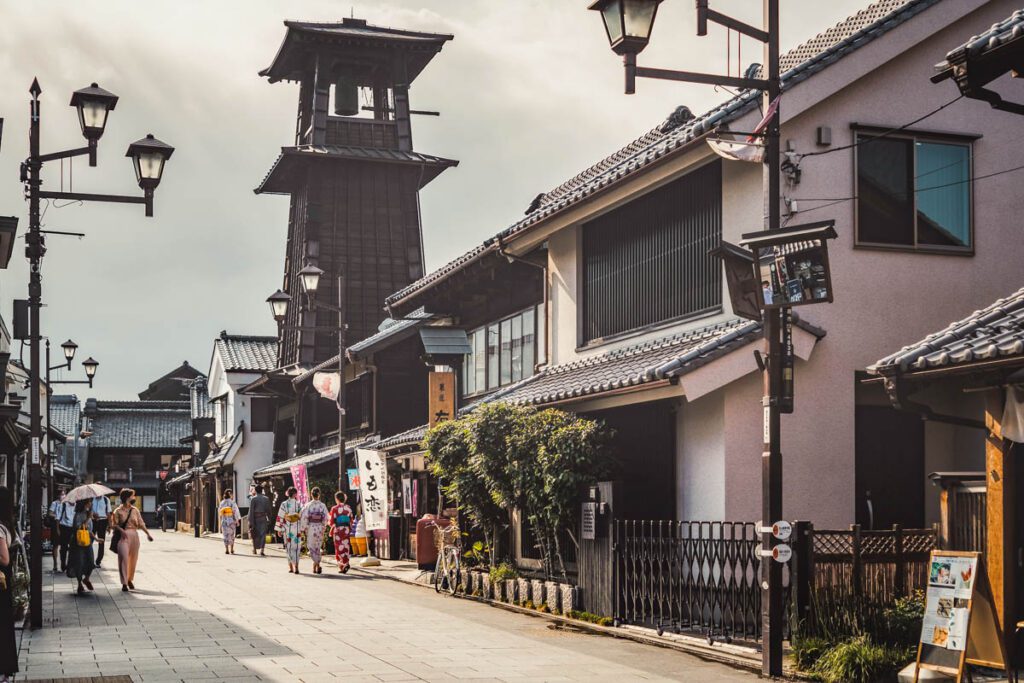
[
  {"x": 859, "y": 660},
  {"x": 807, "y": 651},
  {"x": 592, "y": 618},
  {"x": 503, "y": 572},
  {"x": 902, "y": 621}
]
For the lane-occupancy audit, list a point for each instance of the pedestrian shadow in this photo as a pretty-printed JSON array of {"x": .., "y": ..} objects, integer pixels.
[{"x": 164, "y": 635}]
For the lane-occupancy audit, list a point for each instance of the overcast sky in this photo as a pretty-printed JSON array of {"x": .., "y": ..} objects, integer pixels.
[{"x": 529, "y": 95}]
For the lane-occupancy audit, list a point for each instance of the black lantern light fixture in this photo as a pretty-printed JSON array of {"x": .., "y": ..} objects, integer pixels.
[
  {"x": 148, "y": 156},
  {"x": 93, "y": 105},
  {"x": 90, "y": 366},
  {"x": 279, "y": 304},
  {"x": 310, "y": 277},
  {"x": 628, "y": 23},
  {"x": 69, "y": 351}
]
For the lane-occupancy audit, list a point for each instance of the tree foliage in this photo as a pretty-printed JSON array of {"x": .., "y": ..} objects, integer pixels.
[{"x": 503, "y": 458}]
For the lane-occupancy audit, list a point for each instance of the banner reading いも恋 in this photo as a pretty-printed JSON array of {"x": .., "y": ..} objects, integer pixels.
[{"x": 373, "y": 488}]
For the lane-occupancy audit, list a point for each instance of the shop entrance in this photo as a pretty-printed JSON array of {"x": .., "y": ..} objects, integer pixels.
[{"x": 890, "y": 476}]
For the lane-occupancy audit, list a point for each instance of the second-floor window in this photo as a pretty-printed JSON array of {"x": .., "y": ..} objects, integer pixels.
[
  {"x": 504, "y": 352},
  {"x": 913, "y": 192},
  {"x": 220, "y": 407},
  {"x": 647, "y": 262}
]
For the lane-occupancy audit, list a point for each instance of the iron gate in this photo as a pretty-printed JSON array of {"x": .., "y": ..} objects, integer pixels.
[{"x": 691, "y": 576}]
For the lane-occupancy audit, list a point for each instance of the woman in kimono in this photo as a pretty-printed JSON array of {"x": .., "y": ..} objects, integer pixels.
[
  {"x": 314, "y": 519},
  {"x": 341, "y": 529},
  {"x": 80, "y": 557},
  {"x": 230, "y": 518},
  {"x": 289, "y": 515}
]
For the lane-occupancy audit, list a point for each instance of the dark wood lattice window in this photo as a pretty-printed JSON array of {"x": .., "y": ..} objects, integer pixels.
[{"x": 647, "y": 262}]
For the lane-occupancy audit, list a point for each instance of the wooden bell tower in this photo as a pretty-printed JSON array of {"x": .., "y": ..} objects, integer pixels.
[{"x": 352, "y": 174}]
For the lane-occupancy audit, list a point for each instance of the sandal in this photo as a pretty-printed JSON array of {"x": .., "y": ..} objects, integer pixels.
[{"x": 88, "y": 583}]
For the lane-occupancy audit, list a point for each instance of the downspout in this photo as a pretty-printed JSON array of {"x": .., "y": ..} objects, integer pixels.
[{"x": 900, "y": 401}]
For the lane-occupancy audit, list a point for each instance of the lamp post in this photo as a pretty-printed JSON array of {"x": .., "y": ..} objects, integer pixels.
[
  {"x": 93, "y": 105},
  {"x": 279, "y": 301},
  {"x": 69, "y": 347},
  {"x": 628, "y": 24}
]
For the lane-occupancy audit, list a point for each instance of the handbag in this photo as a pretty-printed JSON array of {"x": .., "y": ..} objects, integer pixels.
[
  {"x": 83, "y": 538},
  {"x": 115, "y": 537}
]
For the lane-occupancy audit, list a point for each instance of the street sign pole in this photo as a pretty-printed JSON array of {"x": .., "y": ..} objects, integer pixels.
[{"x": 771, "y": 458}]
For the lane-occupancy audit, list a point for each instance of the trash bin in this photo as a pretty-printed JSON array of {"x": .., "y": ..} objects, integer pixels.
[{"x": 426, "y": 549}]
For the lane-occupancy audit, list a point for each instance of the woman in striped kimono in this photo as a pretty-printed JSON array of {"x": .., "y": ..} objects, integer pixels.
[
  {"x": 314, "y": 519},
  {"x": 289, "y": 516},
  {"x": 230, "y": 518},
  {"x": 341, "y": 529}
]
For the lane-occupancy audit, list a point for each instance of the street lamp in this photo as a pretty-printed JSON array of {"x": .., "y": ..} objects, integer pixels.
[
  {"x": 93, "y": 105},
  {"x": 628, "y": 23},
  {"x": 148, "y": 155},
  {"x": 279, "y": 305},
  {"x": 309, "y": 276},
  {"x": 69, "y": 351}
]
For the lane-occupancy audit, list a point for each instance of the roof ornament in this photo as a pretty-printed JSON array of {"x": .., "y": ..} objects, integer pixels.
[
  {"x": 753, "y": 71},
  {"x": 681, "y": 116},
  {"x": 535, "y": 204}
]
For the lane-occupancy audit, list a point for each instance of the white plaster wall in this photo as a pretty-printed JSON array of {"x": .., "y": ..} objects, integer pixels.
[{"x": 700, "y": 458}]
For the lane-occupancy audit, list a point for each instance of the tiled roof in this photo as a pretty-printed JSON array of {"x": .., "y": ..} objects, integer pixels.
[
  {"x": 140, "y": 424},
  {"x": 796, "y": 65},
  {"x": 320, "y": 455},
  {"x": 995, "y": 332},
  {"x": 217, "y": 459},
  {"x": 276, "y": 180},
  {"x": 200, "y": 399},
  {"x": 409, "y": 437},
  {"x": 187, "y": 474},
  {"x": 361, "y": 29},
  {"x": 65, "y": 414},
  {"x": 1001, "y": 33},
  {"x": 247, "y": 353},
  {"x": 649, "y": 361}
]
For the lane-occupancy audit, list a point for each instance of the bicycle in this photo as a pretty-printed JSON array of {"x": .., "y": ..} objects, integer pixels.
[{"x": 447, "y": 574}]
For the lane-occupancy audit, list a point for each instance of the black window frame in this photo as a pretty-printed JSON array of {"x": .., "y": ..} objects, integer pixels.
[{"x": 945, "y": 138}]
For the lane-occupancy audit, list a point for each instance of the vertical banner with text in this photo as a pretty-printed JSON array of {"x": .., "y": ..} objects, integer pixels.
[
  {"x": 441, "y": 397},
  {"x": 301, "y": 482},
  {"x": 373, "y": 488}
]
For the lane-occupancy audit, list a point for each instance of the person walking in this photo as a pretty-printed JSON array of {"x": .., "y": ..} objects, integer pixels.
[
  {"x": 340, "y": 519},
  {"x": 100, "y": 520},
  {"x": 9, "y": 545},
  {"x": 126, "y": 521},
  {"x": 259, "y": 519},
  {"x": 53, "y": 524},
  {"x": 80, "y": 558},
  {"x": 65, "y": 514},
  {"x": 289, "y": 515},
  {"x": 313, "y": 521},
  {"x": 230, "y": 518}
]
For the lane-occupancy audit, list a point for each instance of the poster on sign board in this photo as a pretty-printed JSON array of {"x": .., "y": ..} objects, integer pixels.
[{"x": 373, "y": 488}]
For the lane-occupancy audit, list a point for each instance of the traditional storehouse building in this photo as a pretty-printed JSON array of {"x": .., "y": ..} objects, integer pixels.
[
  {"x": 243, "y": 425},
  {"x": 636, "y": 329},
  {"x": 171, "y": 387},
  {"x": 66, "y": 417}
]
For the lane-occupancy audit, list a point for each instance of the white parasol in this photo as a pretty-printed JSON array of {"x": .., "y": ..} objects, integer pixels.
[{"x": 87, "y": 492}]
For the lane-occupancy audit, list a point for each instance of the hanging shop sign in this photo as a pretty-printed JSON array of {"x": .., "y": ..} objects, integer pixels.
[
  {"x": 373, "y": 488},
  {"x": 959, "y": 625},
  {"x": 442, "y": 397},
  {"x": 791, "y": 264},
  {"x": 407, "y": 494}
]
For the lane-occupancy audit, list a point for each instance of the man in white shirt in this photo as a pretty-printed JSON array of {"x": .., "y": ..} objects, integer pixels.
[
  {"x": 64, "y": 513},
  {"x": 100, "y": 518}
]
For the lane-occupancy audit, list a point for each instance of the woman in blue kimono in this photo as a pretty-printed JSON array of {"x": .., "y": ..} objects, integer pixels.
[{"x": 289, "y": 517}]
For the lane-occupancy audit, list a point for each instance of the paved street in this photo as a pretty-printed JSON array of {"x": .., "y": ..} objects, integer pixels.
[{"x": 199, "y": 614}]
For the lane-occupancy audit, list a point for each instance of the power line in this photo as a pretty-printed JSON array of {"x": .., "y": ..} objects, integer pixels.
[{"x": 869, "y": 138}]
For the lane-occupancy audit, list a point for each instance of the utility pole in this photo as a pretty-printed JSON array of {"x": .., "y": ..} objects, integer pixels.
[{"x": 771, "y": 458}]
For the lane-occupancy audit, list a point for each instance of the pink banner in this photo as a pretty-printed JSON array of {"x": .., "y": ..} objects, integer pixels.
[{"x": 301, "y": 482}]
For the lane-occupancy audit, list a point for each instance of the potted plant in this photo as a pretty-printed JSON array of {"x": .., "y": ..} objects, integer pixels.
[{"x": 20, "y": 597}]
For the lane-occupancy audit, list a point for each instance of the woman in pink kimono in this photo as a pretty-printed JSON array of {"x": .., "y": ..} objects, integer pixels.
[
  {"x": 313, "y": 520},
  {"x": 230, "y": 518},
  {"x": 341, "y": 529}
]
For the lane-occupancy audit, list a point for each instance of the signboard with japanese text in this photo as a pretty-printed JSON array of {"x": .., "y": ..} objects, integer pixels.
[
  {"x": 301, "y": 482},
  {"x": 407, "y": 494},
  {"x": 442, "y": 397},
  {"x": 353, "y": 479},
  {"x": 373, "y": 488}
]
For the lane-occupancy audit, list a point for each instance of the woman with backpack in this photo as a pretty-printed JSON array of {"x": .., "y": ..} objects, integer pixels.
[
  {"x": 230, "y": 518},
  {"x": 80, "y": 558},
  {"x": 313, "y": 521},
  {"x": 288, "y": 517},
  {"x": 341, "y": 529}
]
